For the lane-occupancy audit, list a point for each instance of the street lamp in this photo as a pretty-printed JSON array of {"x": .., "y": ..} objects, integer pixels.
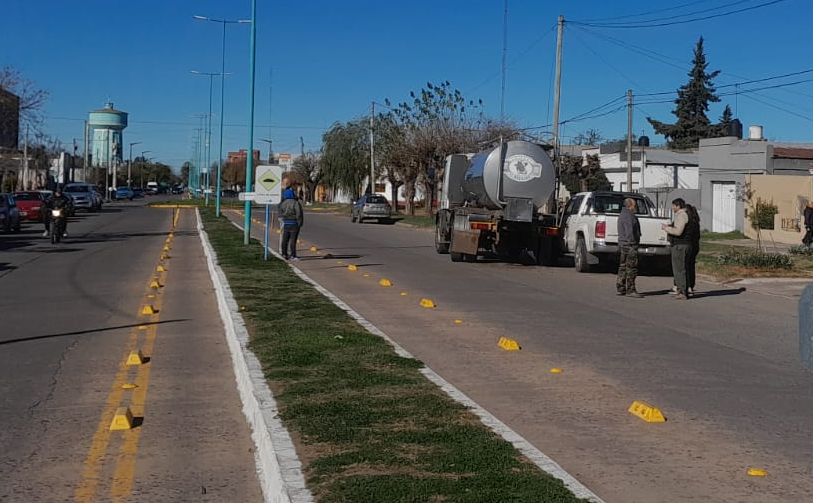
[
  {"x": 224, "y": 22},
  {"x": 250, "y": 158},
  {"x": 208, "y": 132},
  {"x": 129, "y": 163},
  {"x": 141, "y": 167},
  {"x": 270, "y": 149}
]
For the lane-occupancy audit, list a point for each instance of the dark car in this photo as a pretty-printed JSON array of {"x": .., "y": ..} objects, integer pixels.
[
  {"x": 138, "y": 192},
  {"x": 9, "y": 214},
  {"x": 177, "y": 189},
  {"x": 371, "y": 206},
  {"x": 228, "y": 193}
]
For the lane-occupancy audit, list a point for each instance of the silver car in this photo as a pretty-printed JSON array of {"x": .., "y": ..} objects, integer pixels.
[
  {"x": 371, "y": 206},
  {"x": 83, "y": 195}
]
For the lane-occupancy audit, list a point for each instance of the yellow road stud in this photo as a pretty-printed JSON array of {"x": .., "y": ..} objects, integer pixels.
[
  {"x": 164, "y": 256},
  {"x": 129, "y": 385},
  {"x": 143, "y": 327},
  {"x": 313, "y": 248},
  {"x": 166, "y": 248},
  {"x": 646, "y": 412},
  {"x": 757, "y": 472},
  {"x": 160, "y": 268},
  {"x": 122, "y": 420},
  {"x": 148, "y": 309},
  {"x": 385, "y": 282},
  {"x": 151, "y": 296},
  {"x": 366, "y": 275},
  {"x": 555, "y": 370},
  {"x": 299, "y": 241},
  {"x": 155, "y": 284},
  {"x": 508, "y": 344},
  {"x": 135, "y": 358},
  {"x": 427, "y": 303},
  {"x": 351, "y": 267},
  {"x": 403, "y": 293},
  {"x": 458, "y": 322},
  {"x": 279, "y": 231}
]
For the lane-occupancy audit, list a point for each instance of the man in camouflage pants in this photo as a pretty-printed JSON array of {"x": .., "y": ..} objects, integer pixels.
[{"x": 629, "y": 236}]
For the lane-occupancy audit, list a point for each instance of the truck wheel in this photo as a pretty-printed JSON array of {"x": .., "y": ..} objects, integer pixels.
[
  {"x": 441, "y": 245},
  {"x": 352, "y": 217},
  {"x": 580, "y": 258}
]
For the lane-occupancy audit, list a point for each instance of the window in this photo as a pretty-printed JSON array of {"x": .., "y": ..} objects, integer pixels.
[{"x": 377, "y": 200}]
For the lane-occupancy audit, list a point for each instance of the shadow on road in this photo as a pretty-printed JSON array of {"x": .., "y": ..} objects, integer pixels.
[{"x": 89, "y": 331}]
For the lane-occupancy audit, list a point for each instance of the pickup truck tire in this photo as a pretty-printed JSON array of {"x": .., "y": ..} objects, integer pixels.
[{"x": 580, "y": 256}]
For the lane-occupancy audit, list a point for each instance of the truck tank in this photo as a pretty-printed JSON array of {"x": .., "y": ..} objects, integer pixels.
[{"x": 528, "y": 173}]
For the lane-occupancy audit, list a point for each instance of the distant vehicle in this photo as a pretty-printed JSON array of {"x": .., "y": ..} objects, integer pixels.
[
  {"x": 124, "y": 193},
  {"x": 371, "y": 206},
  {"x": 9, "y": 214},
  {"x": 152, "y": 188},
  {"x": 138, "y": 193},
  {"x": 177, "y": 189},
  {"x": 228, "y": 193},
  {"x": 30, "y": 205},
  {"x": 83, "y": 195}
]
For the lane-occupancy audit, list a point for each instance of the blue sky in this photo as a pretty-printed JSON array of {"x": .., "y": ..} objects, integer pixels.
[{"x": 319, "y": 62}]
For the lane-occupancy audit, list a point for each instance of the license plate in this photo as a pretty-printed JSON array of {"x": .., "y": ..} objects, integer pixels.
[{"x": 23, "y": 213}]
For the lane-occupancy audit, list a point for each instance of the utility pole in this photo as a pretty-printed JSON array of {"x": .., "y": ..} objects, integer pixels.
[
  {"x": 629, "y": 140},
  {"x": 372, "y": 149},
  {"x": 504, "y": 51},
  {"x": 25, "y": 159},
  {"x": 557, "y": 85},
  {"x": 85, "y": 164}
]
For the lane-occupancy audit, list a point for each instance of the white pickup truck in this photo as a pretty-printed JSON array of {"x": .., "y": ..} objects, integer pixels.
[{"x": 590, "y": 233}]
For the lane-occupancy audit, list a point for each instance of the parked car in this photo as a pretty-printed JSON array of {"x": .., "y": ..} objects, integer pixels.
[
  {"x": 371, "y": 206},
  {"x": 30, "y": 204},
  {"x": 228, "y": 193},
  {"x": 177, "y": 189},
  {"x": 83, "y": 196},
  {"x": 138, "y": 193},
  {"x": 124, "y": 193},
  {"x": 9, "y": 214}
]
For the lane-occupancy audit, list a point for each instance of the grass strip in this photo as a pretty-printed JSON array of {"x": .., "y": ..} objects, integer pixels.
[{"x": 367, "y": 425}]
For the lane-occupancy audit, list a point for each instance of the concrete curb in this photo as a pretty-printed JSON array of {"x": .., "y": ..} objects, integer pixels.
[
  {"x": 526, "y": 448},
  {"x": 278, "y": 467}
]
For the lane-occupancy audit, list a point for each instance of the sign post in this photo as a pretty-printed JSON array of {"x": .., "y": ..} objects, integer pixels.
[{"x": 267, "y": 185}]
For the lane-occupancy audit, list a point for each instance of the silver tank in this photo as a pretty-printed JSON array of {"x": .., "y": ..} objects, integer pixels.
[{"x": 528, "y": 173}]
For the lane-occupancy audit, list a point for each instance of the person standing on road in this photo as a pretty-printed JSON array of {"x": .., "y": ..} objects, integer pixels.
[
  {"x": 629, "y": 237},
  {"x": 678, "y": 231},
  {"x": 808, "y": 239},
  {"x": 291, "y": 215},
  {"x": 694, "y": 239}
]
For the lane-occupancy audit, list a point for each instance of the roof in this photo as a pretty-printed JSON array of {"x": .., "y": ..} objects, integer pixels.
[
  {"x": 793, "y": 153},
  {"x": 672, "y": 158},
  {"x": 108, "y": 109}
]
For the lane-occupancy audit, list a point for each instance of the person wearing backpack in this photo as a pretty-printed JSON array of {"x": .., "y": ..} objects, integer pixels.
[{"x": 291, "y": 216}]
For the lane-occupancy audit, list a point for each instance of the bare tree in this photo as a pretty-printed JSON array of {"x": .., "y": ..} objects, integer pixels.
[{"x": 32, "y": 99}]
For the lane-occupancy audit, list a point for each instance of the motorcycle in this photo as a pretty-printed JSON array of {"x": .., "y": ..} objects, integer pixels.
[{"x": 57, "y": 224}]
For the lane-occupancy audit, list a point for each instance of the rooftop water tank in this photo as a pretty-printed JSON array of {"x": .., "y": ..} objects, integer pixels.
[{"x": 755, "y": 133}]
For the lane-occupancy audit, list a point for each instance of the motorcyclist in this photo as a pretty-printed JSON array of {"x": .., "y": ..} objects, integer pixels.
[{"x": 57, "y": 201}]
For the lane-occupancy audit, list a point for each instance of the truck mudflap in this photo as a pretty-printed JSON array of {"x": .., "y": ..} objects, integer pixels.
[{"x": 465, "y": 242}]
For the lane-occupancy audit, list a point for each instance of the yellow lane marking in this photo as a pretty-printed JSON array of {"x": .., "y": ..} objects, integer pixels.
[{"x": 125, "y": 467}]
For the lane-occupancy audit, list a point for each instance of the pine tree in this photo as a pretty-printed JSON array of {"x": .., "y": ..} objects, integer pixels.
[{"x": 692, "y": 104}]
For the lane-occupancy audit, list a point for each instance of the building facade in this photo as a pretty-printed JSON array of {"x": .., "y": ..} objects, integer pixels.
[{"x": 9, "y": 120}]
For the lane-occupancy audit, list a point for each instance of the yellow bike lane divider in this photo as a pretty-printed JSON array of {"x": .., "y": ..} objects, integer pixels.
[{"x": 124, "y": 410}]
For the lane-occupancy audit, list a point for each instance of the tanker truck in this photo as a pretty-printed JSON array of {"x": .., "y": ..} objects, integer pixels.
[{"x": 490, "y": 206}]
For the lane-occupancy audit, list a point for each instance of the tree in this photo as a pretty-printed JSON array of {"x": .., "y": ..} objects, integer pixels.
[
  {"x": 346, "y": 157},
  {"x": 692, "y": 103},
  {"x": 580, "y": 176},
  {"x": 307, "y": 168},
  {"x": 589, "y": 137},
  {"x": 31, "y": 98}
]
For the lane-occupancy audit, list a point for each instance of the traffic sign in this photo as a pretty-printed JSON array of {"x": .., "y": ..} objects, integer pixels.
[
  {"x": 267, "y": 184},
  {"x": 246, "y": 196}
]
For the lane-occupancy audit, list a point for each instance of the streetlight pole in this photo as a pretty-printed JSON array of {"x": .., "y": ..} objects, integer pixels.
[
  {"x": 141, "y": 166},
  {"x": 224, "y": 22},
  {"x": 270, "y": 149},
  {"x": 250, "y": 157},
  {"x": 130, "y": 163},
  {"x": 208, "y": 131}
]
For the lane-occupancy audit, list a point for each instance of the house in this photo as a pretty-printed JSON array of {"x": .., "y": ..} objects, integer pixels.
[{"x": 727, "y": 167}]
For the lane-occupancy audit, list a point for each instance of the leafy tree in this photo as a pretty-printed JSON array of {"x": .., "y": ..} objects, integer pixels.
[
  {"x": 346, "y": 157},
  {"x": 692, "y": 103},
  {"x": 580, "y": 176},
  {"x": 723, "y": 128}
]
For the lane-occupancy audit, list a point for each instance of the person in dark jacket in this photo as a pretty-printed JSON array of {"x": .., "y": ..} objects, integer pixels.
[
  {"x": 693, "y": 229},
  {"x": 808, "y": 239},
  {"x": 57, "y": 201},
  {"x": 629, "y": 237},
  {"x": 292, "y": 218}
]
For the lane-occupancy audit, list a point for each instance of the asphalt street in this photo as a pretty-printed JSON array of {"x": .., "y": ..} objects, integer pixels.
[
  {"x": 71, "y": 315},
  {"x": 722, "y": 367}
]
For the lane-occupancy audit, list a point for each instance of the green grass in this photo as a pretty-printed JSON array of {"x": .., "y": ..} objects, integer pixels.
[
  {"x": 722, "y": 236},
  {"x": 368, "y": 426}
]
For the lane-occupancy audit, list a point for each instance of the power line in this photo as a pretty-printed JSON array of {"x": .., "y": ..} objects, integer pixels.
[
  {"x": 642, "y": 14},
  {"x": 655, "y": 23}
]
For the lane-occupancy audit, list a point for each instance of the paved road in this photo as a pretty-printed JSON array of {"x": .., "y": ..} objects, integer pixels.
[
  {"x": 722, "y": 367},
  {"x": 71, "y": 314}
]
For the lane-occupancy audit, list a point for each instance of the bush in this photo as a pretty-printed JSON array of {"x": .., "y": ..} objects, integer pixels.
[
  {"x": 756, "y": 259},
  {"x": 762, "y": 217},
  {"x": 801, "y": 250}
]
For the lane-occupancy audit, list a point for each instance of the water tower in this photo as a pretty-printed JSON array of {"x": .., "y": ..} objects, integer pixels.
[{"x": 107, "y": 125}]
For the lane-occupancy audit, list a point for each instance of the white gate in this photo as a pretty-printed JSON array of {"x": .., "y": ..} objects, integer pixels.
[{"x": 724, "y": 207}]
